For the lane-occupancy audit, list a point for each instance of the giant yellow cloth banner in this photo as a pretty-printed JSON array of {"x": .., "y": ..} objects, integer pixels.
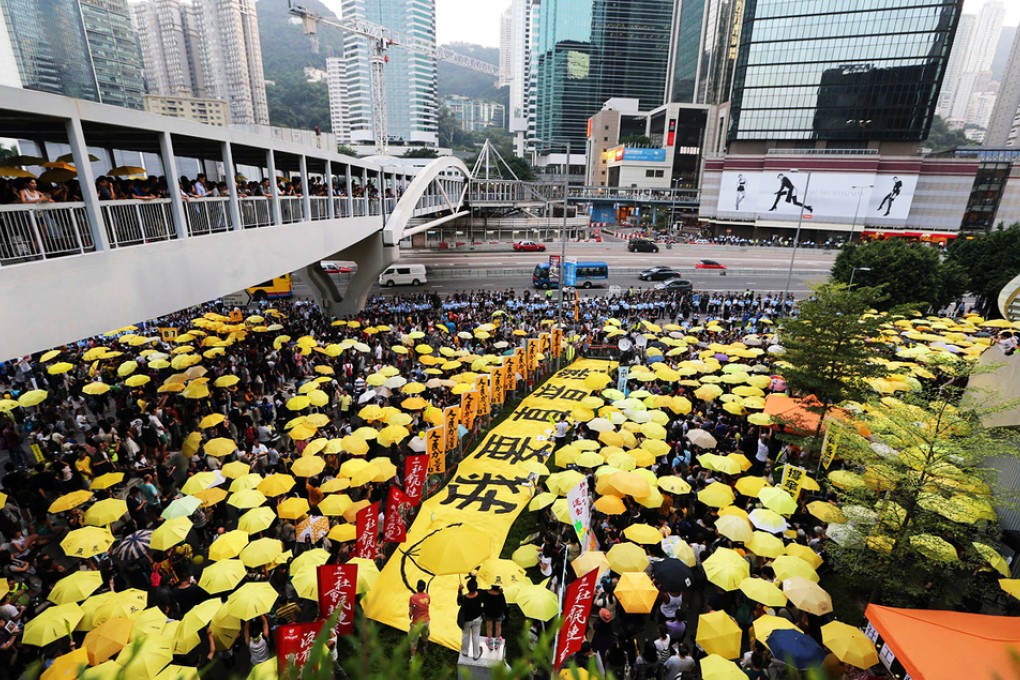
[{"x": 487, "y": 492}]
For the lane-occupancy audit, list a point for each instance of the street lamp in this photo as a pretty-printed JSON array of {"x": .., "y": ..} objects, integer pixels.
[
  {"x": 854, "y": 271},
  {"x": 796, "y": 237},
  {"x": 563, "y": 237},
  {"x": 857, "y": 210}
]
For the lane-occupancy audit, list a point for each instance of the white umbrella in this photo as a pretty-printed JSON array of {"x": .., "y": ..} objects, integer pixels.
[
  {"x": 701, "y": 439},
  {"x": 395, "y": 382},
  {"x": 600, "y": 425},
  {"x": 844, "y": 534},
  {"x": 417, "y": 444},
  {"x": 368, "y": 396},
  {"x": 777, "y": 350}
]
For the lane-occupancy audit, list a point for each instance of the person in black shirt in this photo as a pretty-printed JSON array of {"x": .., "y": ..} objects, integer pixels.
[
  {"x": 494, "y": 611},
  {"x": 469, "y": 618}
]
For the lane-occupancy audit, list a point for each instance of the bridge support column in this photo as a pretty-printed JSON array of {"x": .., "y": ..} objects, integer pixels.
[{"x": 372, "y": 258}]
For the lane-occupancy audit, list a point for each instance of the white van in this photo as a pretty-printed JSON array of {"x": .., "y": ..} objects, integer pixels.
[{"x": 403, "y": 274}]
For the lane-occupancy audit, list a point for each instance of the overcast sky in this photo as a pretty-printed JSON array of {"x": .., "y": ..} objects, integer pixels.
[{"x": 477, "y": 21}]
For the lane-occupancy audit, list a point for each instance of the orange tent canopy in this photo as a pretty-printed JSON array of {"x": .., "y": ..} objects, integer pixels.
[
  {"x": 944, "y": 645},
  {"x": 793, "y": 413}
]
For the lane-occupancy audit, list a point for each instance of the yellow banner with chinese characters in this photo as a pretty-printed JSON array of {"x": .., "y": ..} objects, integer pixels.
[
  {"x": 793, "y": 479},
  {"x": 830, "y": 444},
  {"x": 487, "y": 491}
]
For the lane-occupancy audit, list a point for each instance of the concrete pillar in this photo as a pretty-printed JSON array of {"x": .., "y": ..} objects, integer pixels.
[
  {"x": 350, "y": 187},
  {"x": 364, "y": 190},
  {"x": 166, "y": 150},
  {"x": 231, "y": 173},
  {"x": 372, "y": 258},
  {"x": 277, "y": 211},
  {"x": 76, "y": 138},
  {"x": 306, "y": 198},
  {"x": 330, "y": 208}
]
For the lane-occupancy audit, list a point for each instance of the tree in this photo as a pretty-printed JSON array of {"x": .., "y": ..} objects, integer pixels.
[
  {"x": 907, "y": 273},
  {"x": 636, "y": 140},
  {"x": 7, "y": 152},
  {"x": 827, "y": 346},
  {"x": 989, "y": 263},
  {"x": 346, "y": 150},
  {"x": 917, "y": 494},
  {"x": 940, "y": 137},
  {"x": 423, "y": 152}
]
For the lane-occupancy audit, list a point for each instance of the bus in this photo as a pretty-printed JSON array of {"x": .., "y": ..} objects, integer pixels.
[
  {"x": 276, "y": 288},
  {"x": 587, "y": 272}
]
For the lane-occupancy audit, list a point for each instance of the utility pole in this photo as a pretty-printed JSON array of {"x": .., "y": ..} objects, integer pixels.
[
  {"x": 563, "y": 238},
  {"x": 796, "y": 237}
]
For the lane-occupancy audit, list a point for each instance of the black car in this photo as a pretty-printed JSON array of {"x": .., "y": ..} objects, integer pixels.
[
  {"x": 641, "y": 245},
  {"x": 658, "y": 274},
  {"x": 675, "y": 284}
]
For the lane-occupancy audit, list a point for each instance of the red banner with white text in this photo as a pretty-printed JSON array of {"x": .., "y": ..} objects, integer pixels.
[
  {"x": 338, "y": 585},
  {"x": 399, "y": 509},
  {"x": 367, "y": 532},
  {"x": 293, "y": 644},
  {"x": 576, "y": 607},
  {"x": 416, "y": 470}
]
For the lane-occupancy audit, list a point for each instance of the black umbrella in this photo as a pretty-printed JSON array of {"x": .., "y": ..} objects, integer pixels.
[{"x": 672, "y": 574}]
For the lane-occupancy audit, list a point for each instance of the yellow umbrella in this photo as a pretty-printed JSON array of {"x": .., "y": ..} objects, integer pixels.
[
  {"x": 87, "y": 542},
  {"x": 807, "y": 596},
  {"x": 256, "y": 520},
  {"x": 343, "y": 533},
  {"x": 198, "y": 482},
  {"x": 726, "y": 568},
  {"x": 763, "y": 591},
  {"x": 32, "y": 398},
  {"x": 76, "y": 587},
  {"x": 226, "y": 381},
  {"x": 368, "y": 573},
  {"x": 105, "y": 512},
  {"x": 934, "y": 548},
  {"x": 734, "y": 528},
  {"x": 69, "y": 501},
  {"x": 636, "y": 593},
  {"x": 222, "y": 576},
  {"x": 765, "y": 545},
  {"x": 170, "y": 533},
  {"x": 541, "y": 500},
  {"x": 211, "y": 420},
  {"x": 220, "y": 447},
  {"x": 849, "y": 644},
  {"x": 107, "y": 480},
  {"x": 261, "y": 552},
  {"x": 308, "y": 466},
  {"x": 59, "y": 367},
  {"x": 52, "y": 624},
  {"x": 107, "y": 639},
  {"x": 147, "y": 658},
  {"x": 674, "y": 485},
  {"x": 246, "y": 498},
  {"x": 750, "y": 486},
  {"x": 624, "y": 557},
  {"x": 716, "y": 495},
  {"x": 292, "y": 508},
  {"x": 788, "y": 566},
  {"x": 538, "y": 602},
  {"x": 228, "y": 545},
  {"x": 96, "y": 388},
  {"x": 527, "y": 556},
  {"x": 276, "y": 484},
  {"x": 719, "y": 634},
  {"x": 593, "y": 559},
  {"x": 610, "y": 505},
  {"x": 805, "y": 553},
  {"x": 714, "y": 667},
  {"x": 298, "y": 403},
  {"x": 992, "y": 556},
  {"x": 778, "y": 500},
  {"x": 455, "y": 550},
  {"x": 766, "y": 624},
  {"x": 642, "y": 533},
  {"x": 67, "y": 666},
  {"x": 335, "y": 505},
  {"x": 826, "y": 512}
]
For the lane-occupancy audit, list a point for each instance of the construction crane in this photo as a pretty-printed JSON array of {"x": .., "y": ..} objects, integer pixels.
[{"x": 381, "y": 39}]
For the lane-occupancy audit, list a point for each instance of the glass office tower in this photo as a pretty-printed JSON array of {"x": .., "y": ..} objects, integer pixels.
[
  {"x": 588, "y": 51},
  {"x": 703, "y": 52},
  {"x": 840, "y": 69}
]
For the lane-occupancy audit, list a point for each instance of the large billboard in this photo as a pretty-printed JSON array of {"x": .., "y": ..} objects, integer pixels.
[
  {"x": 627, "y": 153},
  {"x": 831, "y": 196}
]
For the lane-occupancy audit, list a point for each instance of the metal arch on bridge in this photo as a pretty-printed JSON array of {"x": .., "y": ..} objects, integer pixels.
[
  {"x": 71, "y": 270},
  {"x": 444, "y": 174}
]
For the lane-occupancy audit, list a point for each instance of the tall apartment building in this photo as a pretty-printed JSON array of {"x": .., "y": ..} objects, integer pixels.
[
  {"x": 410, "y": 78},
  {"x": 78, "y": 48},
  {"x": 475, "y": 115},
  {"x": 506, "y": 46},
  {"x": 339, "y": 104},
  {"x": 587, "y": 51},
  {"x": 515, "y": 65},
  {"x": 204, "y": 49},
  {"x": 969, "y": 65},
  {"x": 1003, "y": 122}
]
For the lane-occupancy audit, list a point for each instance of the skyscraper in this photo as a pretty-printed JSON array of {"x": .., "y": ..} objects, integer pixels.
[
  {"x": 205, "y": 49},
  {"x": 168, "y": 35},
  {"x": 339, "y": 109},
  {"x": 799, "y": 77},
  {"x": 506, "y": 46},
  {"x": 973, "y": 51},
  {"x": 62, "y": 66},
  {"x": 702, "y": 51},
  {"x": 1002, "y": 125},
  {"x": 116, "y": 57},
  {"x": 410, "y": 78},
  {"x": 515, "y": 57},
  {"x": 9, "y": 75},
  {"x": 588, "y": 51}
]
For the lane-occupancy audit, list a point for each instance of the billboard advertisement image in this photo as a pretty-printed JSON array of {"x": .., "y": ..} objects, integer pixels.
[{"x": 831, "y": 196}]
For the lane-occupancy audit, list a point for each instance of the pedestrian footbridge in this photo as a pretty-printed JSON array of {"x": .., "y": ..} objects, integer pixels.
[{"x": 87, "y": 262}]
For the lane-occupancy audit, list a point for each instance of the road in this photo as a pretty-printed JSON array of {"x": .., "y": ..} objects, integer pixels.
[{"x": 760, "y": 269}]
